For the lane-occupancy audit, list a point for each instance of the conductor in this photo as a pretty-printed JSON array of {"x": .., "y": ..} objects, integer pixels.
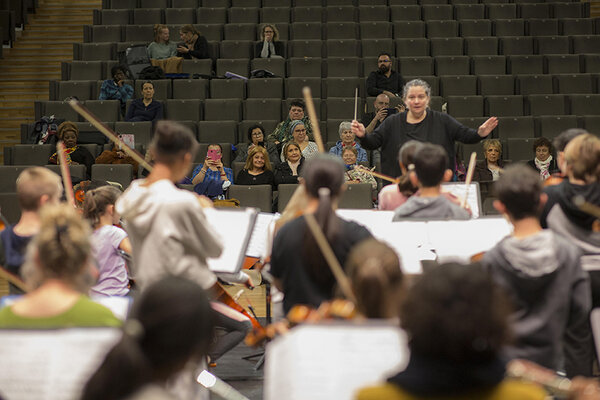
[{"x": 418, "y": 123}]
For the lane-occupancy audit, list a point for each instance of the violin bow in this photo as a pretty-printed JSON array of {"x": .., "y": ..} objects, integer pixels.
[
  {"x": 332, "y": 261},
  {"x": 586, "y": 206},
  {"x": 469, "y": 178},
  {"x": 312, "y": 115},
  {"x": 377, "y": 174},
  {"x": 91, "y": 118},
  {"x": 65, "y": 172}
]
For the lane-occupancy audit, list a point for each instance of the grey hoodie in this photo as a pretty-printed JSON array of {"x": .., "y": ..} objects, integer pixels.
[
  {"x": 439, "y": 207},
  {"x": 169, "y": 233},
  {"x": 550, "y": 293}
]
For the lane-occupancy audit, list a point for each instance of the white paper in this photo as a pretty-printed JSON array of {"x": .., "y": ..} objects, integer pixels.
[
  {"x": 259, "y": 245},
  {"x": 333, "y": 360},
  {"x": 52, "y": 364},
  {"x": 234, "y": 227},
  {"x": 458, "y": 189}
]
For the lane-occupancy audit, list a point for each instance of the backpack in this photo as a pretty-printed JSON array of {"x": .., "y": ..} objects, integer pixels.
[
  {"x": 136, "y": 59},
  {"x": 45, "y": 131},
  {"x": 151, "y": 73}
]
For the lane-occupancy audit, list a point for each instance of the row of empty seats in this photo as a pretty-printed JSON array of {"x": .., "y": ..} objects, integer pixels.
[
  {"x": 130, "y": 4},
  {"x": 371, "y": 48},
  {"x": 254, "y": 15},
  {"x": 276, "y": 88}
]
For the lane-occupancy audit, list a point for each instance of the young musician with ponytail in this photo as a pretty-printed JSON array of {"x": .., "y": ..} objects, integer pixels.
[
  {"x": 170, "y": 324},
  {"x": 299, "y": 267},
  {"x": 107, "y": 241},
  {"x": 56, "y": 268}
]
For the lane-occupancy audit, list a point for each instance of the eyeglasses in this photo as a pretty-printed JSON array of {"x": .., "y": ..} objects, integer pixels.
[
  {"x": 269, "y": 32},
  {"x": 257, "y": 133},
  {"x": 383, "y": 61}
]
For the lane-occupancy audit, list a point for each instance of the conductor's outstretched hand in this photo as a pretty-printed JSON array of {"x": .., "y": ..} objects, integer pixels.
[
  {"x": 487, "y": 127},
  {"x": 358, "y": 129}
]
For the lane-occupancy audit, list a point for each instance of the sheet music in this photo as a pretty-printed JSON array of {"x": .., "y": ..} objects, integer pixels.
[
  {"x": 234, "y": 228},
  {"x": 458, "y": 189},
  {"x": 459, "y": 240},
  {"x": 259, "y": 245},
  {"x": 52, "y": 364},
  {"x": 332, "y": 360}
]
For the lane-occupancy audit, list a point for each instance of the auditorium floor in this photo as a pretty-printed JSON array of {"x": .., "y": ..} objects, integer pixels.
[{"x": 240, "y": 373}]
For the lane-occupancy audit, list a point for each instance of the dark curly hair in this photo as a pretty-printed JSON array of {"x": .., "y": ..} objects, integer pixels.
[
  {"x": 456, "y": 313},
  {"x": 542, "y": 141}
]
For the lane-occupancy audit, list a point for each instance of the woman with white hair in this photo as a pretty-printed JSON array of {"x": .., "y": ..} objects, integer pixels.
[{"x": 347, "y": 140}]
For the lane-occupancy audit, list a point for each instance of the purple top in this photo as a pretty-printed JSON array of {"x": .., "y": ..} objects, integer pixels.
[{"x": 113, "y": 278}]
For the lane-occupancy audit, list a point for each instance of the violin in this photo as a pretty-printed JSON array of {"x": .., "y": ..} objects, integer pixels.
[
  {"x": 555, "y": 179},
  {"x": 337, "y": 309}
]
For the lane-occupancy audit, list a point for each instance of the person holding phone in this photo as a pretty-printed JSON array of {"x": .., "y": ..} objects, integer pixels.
[
  {"x": 193, "y": 44},
  {"x": 116, "y": 88},
  {"x": 212, "y": 169}
]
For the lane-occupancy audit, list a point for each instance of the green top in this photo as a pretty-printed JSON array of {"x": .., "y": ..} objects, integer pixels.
[
  {"x": 160, "y": 51},
  {"x": 84, "y": 313}
]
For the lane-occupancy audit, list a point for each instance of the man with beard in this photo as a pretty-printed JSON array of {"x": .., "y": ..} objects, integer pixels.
[
  {"x": 373, "y": 119},
  {"x": 384, "y": 80}
]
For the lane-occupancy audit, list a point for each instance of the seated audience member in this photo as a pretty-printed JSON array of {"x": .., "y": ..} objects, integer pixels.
[
  {"x": 36, "y": 186},
  {"x": 257, "y": 170},
  {"x": 553, "y": 187},
  {"x": 269, "y": 45},
  {"x": 107, "y": 241},
  {"x": 352, "y": 174},
  {"x": 282, "y": 132},
  {"x": 194, "y": 45},
  {"x": 299, "y": 268},
  {"x": 256, "y": 136},
  {"x": 582, "y": 167},
  {"x": 429, "y": 173},
  {"x": 347, "y": 140},
  {"x": 211, "y": 177},
  {"x": 309, "y": 149},
  {"x": 146, "y": 108},
  {"x": 384, "y": 80},
  {"x": 163, "y": 52},
  {"x": 117, "y": 156},
  {"x": 116, "y": 88},
  {"x": 373, "y": 119},
  {"x": 490, "y": 168},
  {"x": 377, "y": 279},
  {"x": 456, "y": 321},
  {"x": 170, "y": 326},
  {"x": 289, "y": 170},
  {"x": 541, "y": 272},
  {"x": 57, "y": 269},
  {"x": 394, "y": 195},
  {"x": 75, "y": 155},
  {"x": 543, "y": 162}
]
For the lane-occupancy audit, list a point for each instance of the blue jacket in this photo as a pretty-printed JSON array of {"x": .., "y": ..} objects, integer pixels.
[{"x": 360, "y": 157}]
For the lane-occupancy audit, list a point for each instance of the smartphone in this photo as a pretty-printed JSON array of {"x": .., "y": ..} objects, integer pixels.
[
  {"x": 391, "y": 111},
  {"x": 213, "y": 154}
]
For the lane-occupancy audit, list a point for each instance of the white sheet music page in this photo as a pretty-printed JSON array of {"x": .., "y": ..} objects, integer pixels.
[
  {"x": 409, "y": 239},
  {"x": 459, "y": 189},
  {"x": 259, "y": 245},
  {"x": 51, "y": 364},
  {"x": 332, "y": 360},
  {"x": 234, "y": 228},
  {"x": 459, "y": 240}
]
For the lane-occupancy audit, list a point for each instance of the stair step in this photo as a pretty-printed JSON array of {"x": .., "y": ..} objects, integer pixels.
[
  {"x": 21, "y": 84},
  {"x": 43, "y": 68},
  {"x": 32, "y": 75},
  {"x": 29, "y": 62},
  {"x": 15, "y": 103},
  {"x": 42, "y": 33},
  {"x": 49, "y": 43},
  {"x": 17, "y": 112},
  {"x": 15, "y": 122}
]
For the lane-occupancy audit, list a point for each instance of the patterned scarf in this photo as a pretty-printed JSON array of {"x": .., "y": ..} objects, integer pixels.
[{"x": 543, "y": 167}]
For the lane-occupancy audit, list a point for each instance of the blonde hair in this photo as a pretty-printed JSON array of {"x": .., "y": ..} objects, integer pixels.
[
  {"x": 254, "y": 150},
  {"x": 61, "y": 249},
  {"x": 96, "y": 201},
  {"x": 492, "y": 143},
  {"x": 287, "y": 146},
  {"x": 583, "y": 157},
  {"x": 189, "y": 29},
  {"x": 35, "y": 182},
  {"x": 158, "y": 28}
]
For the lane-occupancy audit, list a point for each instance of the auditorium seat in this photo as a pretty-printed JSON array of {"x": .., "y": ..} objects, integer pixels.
[
  {"x": 183, "y": 109},
  {"x": 562, "y": 64},
  {"x": 446, "y": 46},
  {"x": 311, "y": 30},
  {"x": 285, "y": 193},
  {"x": 590, "y": 63},
  {"x": 9, "y": 204},
  {"x": 465, "y": 106},
  {"x": 223, "y": 109},
  {"x": 515, "y": 127},
  {"x": 293, "y": 87},
  {"x": 185, "y": 3},
  {"x": 102, "y": 33},
  {"x": 148, "y": 16},
  {"x": 227, "y": 89},
  {"x": 550, "y": 126},
  {"x": 343, "y": 87},
  {"x": 552, "y": 45},
  {"x": 574, "y": 83},
  {"x": 307, "y": 67},
  {"x": 273, "y": 65},
  {"x": 534, "y": 84},
  {"x": 516, "y": 45},
  {"x": 576, "y": 26},
  {"x": 441, "y": 29},
  {"x": 196, "y": 66},
  {"x": 8, "y": 177},
  {"x": 93, "y": 51},
  {"x": 60, "y": 109},
  {"x": 586, "y": 44},
  {"x": 112, "y": 17},
  {"x": 542, "y": 27},
  {"x": 264, "y": 88},
  {"x": 82, "y": 90},
  {"x": 508, "y": 27},
  {"x": 369, "y": 13},
  {"x": 211, "y": 15},
  {"x": 190, "y": 88},
  {"x": 31, "y": 154},
  {"x": 269, "y": 109},
  {"x": 76, "y": 171},
  {"x": 520, "y": 149},
  {"x": 258, "y": 196},
  {"x": 374, "y": 47},
  {"x": 458, "y": 85},
  {"x": 412, "y": 47},
  {"x": 504, "y": 106},
  {"x": 533, "y": 10},
  {"x": 496, "y": 85},
  {"x": 475, "y": 27},
  {"x": 358, "y": 195},
  {"x": 275, "y": 14},
  {"x": 481, "y": 46},
  {"x": 212, "y": 32},
  {"x": 409, "y": 29},
  {"x": 217, "y": 132},
  {"x": 437, "y": 12},
  {"x": 121, "y": 173},
  {"x": 104, "y": 110},
  {"x": 308, "y": 14},
  {"x": 452, "y": 65},
  {"x": 343, "y": 67},
  {"x": 545, "y": 104},
  {"x": 525, "y": 64},
  {"x": 570, "y": 10},
  {"x": 375, "y": 30},
  {"x": 237, "y": 49},
  {"x": 584, "y": 104},
  {"x": 141, "y": 130},
  {"x": 139, "y": 33},
  {"x": 341, "y": 108},
  {"x": 406, "y": 12},
  {"x": 415, "y": 65},
  {"x": 488, "y": 65},
  {"x": 241, "y": 31},
  {"x": 341, "y": 30},
  {"x": 305, "y": 48},
  {"x": 340, "y": 13},
  {"x": 501, "y": 11},
  {"x": 469, "y": 11}
]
